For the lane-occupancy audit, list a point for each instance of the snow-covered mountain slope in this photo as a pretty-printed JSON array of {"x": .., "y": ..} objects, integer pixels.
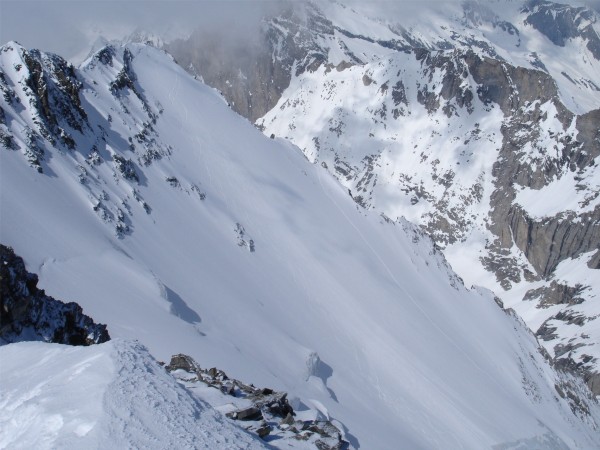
[
  {"x": 112, "y": 395},
  {"x": 476, "y": 120},
  {"x": 133, "y": 189},
  {"x": 558, "y": 39}
]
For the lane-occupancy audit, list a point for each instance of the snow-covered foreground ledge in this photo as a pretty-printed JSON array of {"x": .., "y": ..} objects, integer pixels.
[{"x": 113, "y": 395}]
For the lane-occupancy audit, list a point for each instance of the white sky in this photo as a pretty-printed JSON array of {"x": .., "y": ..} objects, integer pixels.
[{"x": 70, "y": 27}]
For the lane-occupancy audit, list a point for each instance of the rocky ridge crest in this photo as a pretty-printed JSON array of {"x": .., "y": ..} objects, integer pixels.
[
  {"x": 27, "y": 313},
  {"x": 262, "y": 411}
]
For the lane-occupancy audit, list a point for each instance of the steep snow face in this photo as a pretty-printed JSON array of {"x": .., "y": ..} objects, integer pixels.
[
  {"x": 176, "y": 222},
  {"x": 112, "y": 395},
  {"x": 477, "y": 122}
]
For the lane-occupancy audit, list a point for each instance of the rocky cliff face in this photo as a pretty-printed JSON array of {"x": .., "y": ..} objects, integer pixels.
[
  {"x": 51, "y": 88},
  {"x": 28, "y": 314},
  {"x": 470, "y": 127},
  {"x": 561, "y": 23},
  {"x": 252, "y": 74}
]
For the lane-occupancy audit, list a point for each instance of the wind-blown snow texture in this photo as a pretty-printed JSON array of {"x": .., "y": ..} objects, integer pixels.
[
  {"x": 177, "y": 223},
  {"x": 113, "y": 395}
]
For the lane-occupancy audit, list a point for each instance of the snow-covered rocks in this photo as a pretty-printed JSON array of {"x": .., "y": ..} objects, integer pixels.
[
  {"x": 47, "y": 86},
  {"x": 262, "y": 410}
]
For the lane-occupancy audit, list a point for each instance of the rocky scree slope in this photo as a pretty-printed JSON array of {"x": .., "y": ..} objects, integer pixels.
[
  {"x": 188, "y": 229},
  {"x": 478, "y": 121}
]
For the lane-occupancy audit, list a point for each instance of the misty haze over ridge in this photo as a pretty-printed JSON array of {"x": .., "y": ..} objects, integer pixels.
[{"x": 70, "y": 28}]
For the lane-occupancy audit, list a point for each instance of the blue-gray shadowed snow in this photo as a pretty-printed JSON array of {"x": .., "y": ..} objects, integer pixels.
[
  {"x": 406, "y": 354},
  {"x": 180, "y": 308},
  {"x": 548, "y": 440},
  {"x": 321, "y": 370}
]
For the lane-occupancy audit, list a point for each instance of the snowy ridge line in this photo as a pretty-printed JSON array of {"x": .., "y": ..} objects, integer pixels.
[{"x": 130, "y": 401}]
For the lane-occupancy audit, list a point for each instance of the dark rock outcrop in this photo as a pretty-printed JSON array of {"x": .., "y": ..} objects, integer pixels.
[
  {"x": 560, "y": 23},
  {"x": 126, "y": 168},
  {"x": 555, "y": 294},
  {"x": 54, "y": 91},
  {"x": 544, "y": 241},
  {"x": 28, "y": 314}
]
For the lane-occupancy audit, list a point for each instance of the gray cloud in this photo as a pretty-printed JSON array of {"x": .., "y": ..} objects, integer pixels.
[
  {"x": 69, "y": 27},
  {"x": 594, "y": 4}
]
